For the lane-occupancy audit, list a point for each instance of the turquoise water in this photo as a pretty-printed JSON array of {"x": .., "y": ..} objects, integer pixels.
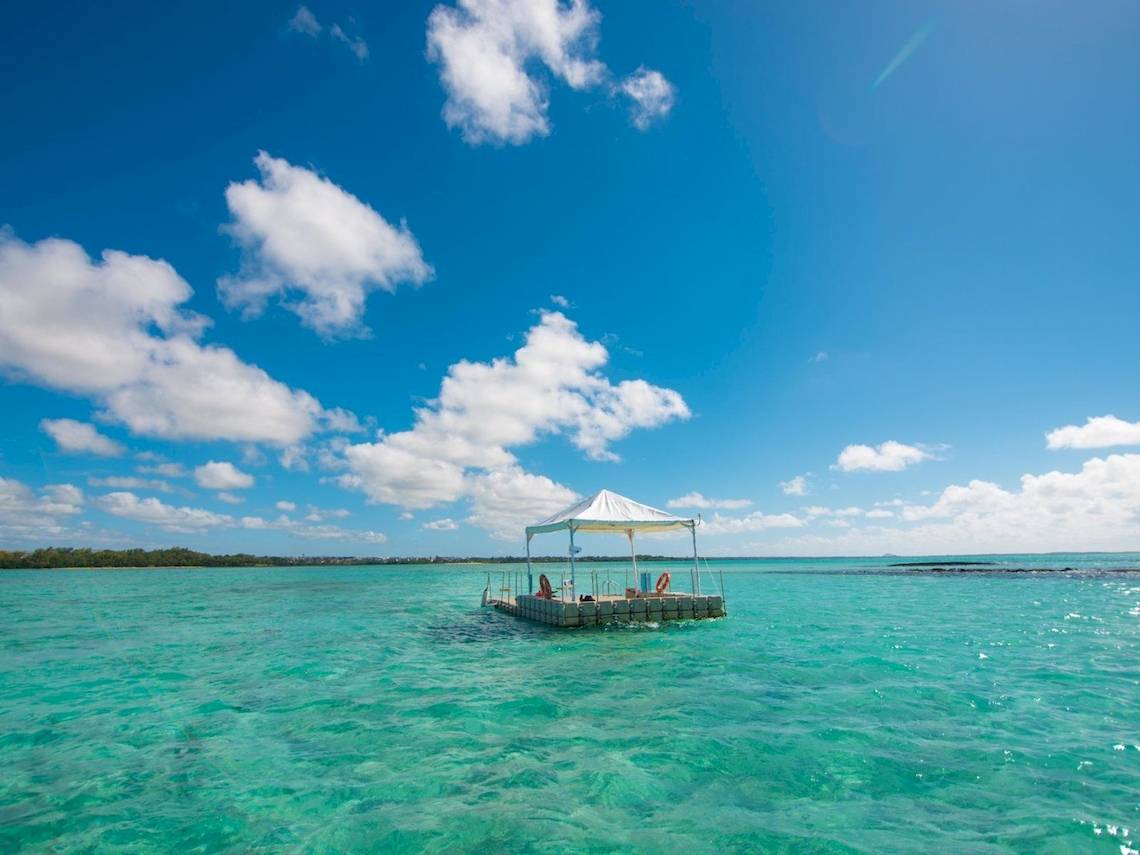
[{"x": 334, "y": 710}]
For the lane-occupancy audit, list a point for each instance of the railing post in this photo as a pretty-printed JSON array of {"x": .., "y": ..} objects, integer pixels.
[
  {"x": 529, "y": 571},
  {"x": 573, "y": 587},
  {"x": 696, "y": 565}
]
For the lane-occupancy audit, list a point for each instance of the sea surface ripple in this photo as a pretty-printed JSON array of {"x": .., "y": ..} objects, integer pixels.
[{"x": 340, "y": 709}]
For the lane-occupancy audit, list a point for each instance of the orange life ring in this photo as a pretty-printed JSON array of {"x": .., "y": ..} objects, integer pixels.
[
  {"x": 544, "y": 587},
  {"x": 663, "y": 582}
]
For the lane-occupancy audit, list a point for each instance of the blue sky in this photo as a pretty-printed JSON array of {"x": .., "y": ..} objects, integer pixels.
[{"x": 859, "y": 277}]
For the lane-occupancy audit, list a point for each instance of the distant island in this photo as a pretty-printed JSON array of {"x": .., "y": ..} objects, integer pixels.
[
  {"x": 64, "y": 558},
  {"x": 942, "y": 563}
]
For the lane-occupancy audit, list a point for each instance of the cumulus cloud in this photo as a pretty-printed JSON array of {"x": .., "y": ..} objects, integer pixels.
[
  {"x": 355, "y": 44},
  {"x": 24, "y": 515},
  {"x": 286, "y": 506},
  {"x": 459, "y": 444},
  {"x": 445, "y": 524},
  {"x": 328, "y": 532},
  {"x": 1096, "y": 432},
  {"x": 505, "y": 501},
  {"x": 560, "y": 301},
  {"x": 116, "y": 330},
  {"x": 1095, "y": 508},
  {"x": 167, "y": 470},
  {"x": 485, "y": 50},
  {"x": 652, "y": 97},
  {"x": 795, "y": 487},
  {"x": 1075, "y": 508},
  {"x": 890, "y": 456},
  {"x": 315, "y": 247},
  {"x": 128, "y": 482},
  {"x": 152, "y": 511},
  {"x": 304, "y": 21},
  {"x": 751, "y": 523},
  {"x": 396, "y": 476},
  {"x": 221, "y": 475},
  {"x": 496, "y": 58},
  {"x": 702, "y": 502},
  {"x": 316, "y": 514},
  {"x": 80, "y": 438}
]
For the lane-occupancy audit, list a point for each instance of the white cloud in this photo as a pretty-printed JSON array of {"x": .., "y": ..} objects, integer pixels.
[
  {"x": 795, "y": 487},
  {"x": 552, "y": 385},
  {"x": 313, "y": 532},
  {"x": 315, "y": 246},
  {"x": 1095, "y": 508},
  {"x": 505, "y": 501},
  {"x": 560, "y": 301},
  {"x": 814, "y": 512},
  {"x": 286, "y": 506},
  {"x": 496, "y": 58},
  {"x": 304, "y": 21},
  {"x": 80, "y": 437},
  {"x": 167, "y": 470},
  {"x": 356, "y": 44},
  {"x": 152, "y": 511},
  {"x": 1096, "y": 432},
  {"x": 486, "y": 50},
  {"x": 395, "y": 476},
  {"x": 652, "y": 96},
  {"x": 445, "y": 524},
  {"x": 230, "y": 498},
  {"x": 115, "y": 330},
  {"x": 752, "y": 522},
  {"x": 697, "y": 500},
  {"x": 119, "y": 482},
  {"x": 251, "y": 455},
  {"x": 293, "y": 458},
  {"x": 209, "y": 393},
  {"x": 821, "y": 356},
  {"x": 890, "y": 456},
  {"x": 879, "y": 514},
  {"x": 27, "y": 516},
  {"x": 316, "y": 514},
  {"x": 221, "y": 475}
]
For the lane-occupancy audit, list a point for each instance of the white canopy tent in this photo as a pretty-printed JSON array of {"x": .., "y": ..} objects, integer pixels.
[{"x": 606, "y": 511}]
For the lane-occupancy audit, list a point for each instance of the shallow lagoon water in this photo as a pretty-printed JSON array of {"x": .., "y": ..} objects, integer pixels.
[{"x": 344, "y": 709}]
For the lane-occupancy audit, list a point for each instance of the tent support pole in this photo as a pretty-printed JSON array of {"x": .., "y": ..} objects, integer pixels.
[
  {"x": 633, "y": 555},
  {"x": 696, "y": 565},
  {"x": 573, "y": 588},
  {"x": 529, "y": 571}
]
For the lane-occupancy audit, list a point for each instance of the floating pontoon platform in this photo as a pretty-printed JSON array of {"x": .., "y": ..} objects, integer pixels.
[
  {"x": 642, "y": 609},
  {"x": 606, "y": 512}
]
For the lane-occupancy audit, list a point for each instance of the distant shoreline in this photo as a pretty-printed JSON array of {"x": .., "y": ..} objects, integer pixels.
[
  {"x": 156, "y": 559},
  {"x": 175, "y": 558}
]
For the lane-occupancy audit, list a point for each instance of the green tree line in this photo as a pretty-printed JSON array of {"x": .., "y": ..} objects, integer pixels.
[{"x": 66, "y": 557}]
